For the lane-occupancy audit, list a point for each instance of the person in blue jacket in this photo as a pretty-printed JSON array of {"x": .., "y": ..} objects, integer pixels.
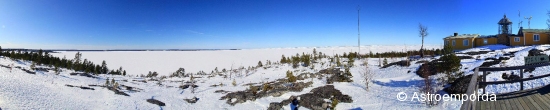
[{"x": 294, "y": 103}]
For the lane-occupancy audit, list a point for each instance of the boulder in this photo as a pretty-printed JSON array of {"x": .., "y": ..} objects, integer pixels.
[
  {"x": 275, "y": 106},
  {"x": 192, "y": 100},
  {"x": 156, "y": 102}
]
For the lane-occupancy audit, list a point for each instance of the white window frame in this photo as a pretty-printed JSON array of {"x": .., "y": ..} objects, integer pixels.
[
  {"x": 454, "y": 42},
  {"x": 485, "y": 41},
  {"x": 516, "y": 39},
  {"x": 465, "y": 42},
  {"x": 536, "y": 37}
]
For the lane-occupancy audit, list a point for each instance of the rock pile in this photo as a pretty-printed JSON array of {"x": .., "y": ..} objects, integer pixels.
[{"x": 315, "y": 98}]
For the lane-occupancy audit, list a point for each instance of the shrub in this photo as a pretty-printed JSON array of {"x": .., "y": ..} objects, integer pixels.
[
  {"x": 450, "y": 65},
  {"x": 338, "y": 62},
  {"x": 290, "y": 76},
  {"x": 234, "y": 82},
  {"x": 428, "y": 88},
  {"x": 107, "y": 82},
  {"x": 115, "y": 86},
  {"x": 334, "y": 103},
  {"x": 33, "y": 66},
  {"x": 266, "y": 87},
  {"x": 253, "y": 89}
]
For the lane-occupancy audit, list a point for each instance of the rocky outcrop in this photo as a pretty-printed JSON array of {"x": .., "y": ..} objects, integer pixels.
[
  {"x": 460, "y": 85},
  {"x": 277, "y": 89},
  {"x": 315, "y": 99},
  {"x": 403, "y": 63}
]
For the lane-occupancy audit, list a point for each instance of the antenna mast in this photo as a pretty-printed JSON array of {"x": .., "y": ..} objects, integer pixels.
[
  {"x": 529, "y": 21},
  {"x": 520, "y": 22},
  {"x": 358, "y": 33}
]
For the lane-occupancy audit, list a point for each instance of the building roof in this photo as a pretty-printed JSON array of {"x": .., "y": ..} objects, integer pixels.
[
  {"x": 504, "y": 21},
  {"x": 487, "y": 36},
  {"x": 536, "y": 30},
  {"x": 462, "y": 36}
]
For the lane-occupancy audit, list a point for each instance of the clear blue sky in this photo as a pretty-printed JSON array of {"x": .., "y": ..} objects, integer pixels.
[{"x": 222, "y": 24}]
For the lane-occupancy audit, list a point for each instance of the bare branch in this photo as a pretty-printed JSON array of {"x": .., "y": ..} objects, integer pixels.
[{"x": 423, "y": 30}]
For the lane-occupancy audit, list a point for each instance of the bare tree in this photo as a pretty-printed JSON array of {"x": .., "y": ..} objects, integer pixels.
[
  {"x": 548, "y": 20},
  {"x": 423, "y": 33},
  {"x": 367, "y": 75},
  {"x": 429, "y": 87},
  {"x": 192, "y": 80}
]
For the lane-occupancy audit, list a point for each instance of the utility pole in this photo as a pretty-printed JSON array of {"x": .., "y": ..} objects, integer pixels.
[{"x": 358, "y": 33}]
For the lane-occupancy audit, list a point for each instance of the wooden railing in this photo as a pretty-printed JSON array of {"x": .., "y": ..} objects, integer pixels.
[{"x": 472, "y": 87}]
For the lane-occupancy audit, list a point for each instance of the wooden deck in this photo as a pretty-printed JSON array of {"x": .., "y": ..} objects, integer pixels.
[{"x": 532, "y": 99}]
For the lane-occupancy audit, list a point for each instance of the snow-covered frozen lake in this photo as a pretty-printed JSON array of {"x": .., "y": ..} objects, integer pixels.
[{"x": 166, "y": 62}]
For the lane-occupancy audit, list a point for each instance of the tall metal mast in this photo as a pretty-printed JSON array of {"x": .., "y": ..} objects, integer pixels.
[{"x": 358, "y": 32}]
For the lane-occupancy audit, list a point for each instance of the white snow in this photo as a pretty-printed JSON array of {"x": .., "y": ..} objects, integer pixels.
[{"x": 45, "y": 90}]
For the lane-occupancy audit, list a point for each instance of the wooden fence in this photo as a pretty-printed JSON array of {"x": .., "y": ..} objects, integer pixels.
[{"x": 474, "y": 84}]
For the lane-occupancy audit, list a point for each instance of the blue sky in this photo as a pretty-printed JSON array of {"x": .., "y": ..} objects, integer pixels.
[{"x": 223, "y": 24}]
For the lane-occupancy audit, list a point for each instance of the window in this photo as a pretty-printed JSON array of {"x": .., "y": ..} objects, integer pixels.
[
  {"x": 454, "y": 42},
  {"x": 536, "y": 37},
  {"x": 465, "y": 43},
  {"x": 516, "y": 39},
  {"x": 485, "y": 41}
]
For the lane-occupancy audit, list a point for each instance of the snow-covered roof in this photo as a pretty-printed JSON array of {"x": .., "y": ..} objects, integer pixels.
[
  {"x": 463, "y": 36},
  {"x": 536, "y": 30},
  {"x": 487, "y": 36}
]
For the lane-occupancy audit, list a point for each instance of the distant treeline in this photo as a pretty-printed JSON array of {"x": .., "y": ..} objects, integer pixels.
[
  {"x": 44, "y": 58},
  {"x": 432, "y": 52}
]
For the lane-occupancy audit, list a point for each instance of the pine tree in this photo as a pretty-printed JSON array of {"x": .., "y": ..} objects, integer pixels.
[
  {"x": 260, "y": 64},
  {"x": 124, "y": 73},
  {"x": 97, "y": 69},
  {"x": 338, "y": 62},
  {"x": 119, "y": 71},
  {"x": 104, "y": 68},
  {"x": 283, "y": 59},
  {"x": 112, "y": 81},
  {"x": 56, "y": 69},
  {"x": 447, "y": 49}
]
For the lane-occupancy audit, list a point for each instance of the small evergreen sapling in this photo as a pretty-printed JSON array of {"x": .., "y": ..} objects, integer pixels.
[
  {"x": 260, "y": 64},
  {"x": 234, "y": 82},
  {"x": 107, "y": 83}
]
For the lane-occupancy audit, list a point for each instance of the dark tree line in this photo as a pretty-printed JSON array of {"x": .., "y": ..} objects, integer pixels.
[
  {"x": 432, "y": 52},
  {"x": 44, "y": 58}
]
